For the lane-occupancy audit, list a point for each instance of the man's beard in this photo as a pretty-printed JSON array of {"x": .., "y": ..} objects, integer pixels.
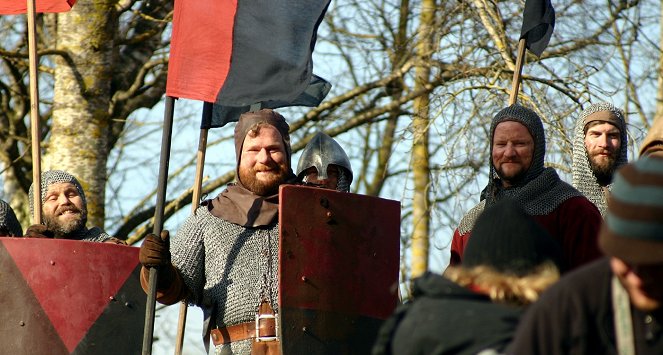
[
  {"x": 64, "y": 229},
  {"x": 603, "y": 170},
  {"x": 270, "y": 186},
  {"x": 512, "y": 180}
]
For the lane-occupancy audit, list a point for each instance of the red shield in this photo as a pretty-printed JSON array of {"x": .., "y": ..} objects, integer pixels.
[
  {"x": 70, "y": 297},
  {"x": 339, "y": 266}
]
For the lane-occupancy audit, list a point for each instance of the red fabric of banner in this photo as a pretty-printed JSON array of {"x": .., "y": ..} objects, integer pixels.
[
  {"x": 200, "y": 48},
  {"x": 15, "y": 7}
]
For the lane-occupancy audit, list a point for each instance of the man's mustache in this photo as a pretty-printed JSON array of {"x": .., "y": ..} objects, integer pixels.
[
  {"x": 264, "y": 168},
  {"x": 63, "y": 209}
]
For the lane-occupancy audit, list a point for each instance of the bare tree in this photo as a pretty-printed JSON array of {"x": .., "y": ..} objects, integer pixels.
[{"x": 107, "y": 61}]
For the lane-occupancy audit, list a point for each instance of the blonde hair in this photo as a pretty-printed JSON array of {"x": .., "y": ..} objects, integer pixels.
[{"x": 503, "y": 287}]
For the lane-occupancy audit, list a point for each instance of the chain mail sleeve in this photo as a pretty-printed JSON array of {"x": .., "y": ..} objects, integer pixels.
[{"x": 188, "y": 256}]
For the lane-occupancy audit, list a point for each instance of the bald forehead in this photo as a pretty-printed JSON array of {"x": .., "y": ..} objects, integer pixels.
[
  {"x": 512, "y": 128},
  {"x": 60, "y": 187}
]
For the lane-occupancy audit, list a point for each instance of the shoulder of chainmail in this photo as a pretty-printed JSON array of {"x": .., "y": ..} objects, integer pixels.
[
  {"x": 187, "y": 249},
  {"x": 468, "y": 220},
  {"x": 95, "y": 234},
  {"x": 545, "y": 193},
  {"x": 540, "y": 196}
]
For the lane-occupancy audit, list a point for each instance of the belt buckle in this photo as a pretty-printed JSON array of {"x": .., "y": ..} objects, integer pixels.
[{"x": 260, "y": 317}]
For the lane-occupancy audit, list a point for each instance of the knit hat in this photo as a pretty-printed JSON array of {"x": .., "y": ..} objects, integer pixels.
[
  {"x": 506, "y": 239},
  {"x": 51, "y": 177},
  {"x": 633, "y": 227}
]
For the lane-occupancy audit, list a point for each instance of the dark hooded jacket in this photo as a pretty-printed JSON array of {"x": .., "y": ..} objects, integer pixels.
[{"x": 446, "y": 318}]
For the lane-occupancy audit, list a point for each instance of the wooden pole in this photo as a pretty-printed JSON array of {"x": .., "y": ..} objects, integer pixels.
[
  {"x": 520, "y": 61},
  {"x": 195, "y": 199},
  {"x": 35, "y": 129},
  {"x": 162, "y": 183}
]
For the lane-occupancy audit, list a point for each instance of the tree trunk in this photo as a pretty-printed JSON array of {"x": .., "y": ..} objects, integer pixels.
[
  {"x": 420, "y": 153},
  {"x": 81, "y": 123},
  {"x": 659, "y": 90}
]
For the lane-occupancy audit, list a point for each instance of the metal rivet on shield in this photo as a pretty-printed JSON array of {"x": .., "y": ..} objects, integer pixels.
[
  {"x": 304, "y": 279},
  {"x": 52, "y": 262},
  {"x": 112, "y": 298},
  {"x": 21, "y": 323},
  {"x": 304, "y": 329},
  {"x": 127, "y": 304}
]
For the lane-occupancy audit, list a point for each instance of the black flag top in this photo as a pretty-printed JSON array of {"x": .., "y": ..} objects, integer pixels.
[{"x": 538, "y": 25}]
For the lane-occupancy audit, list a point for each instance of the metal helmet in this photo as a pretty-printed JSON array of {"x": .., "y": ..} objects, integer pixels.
[{"x": 321, "y": 152}]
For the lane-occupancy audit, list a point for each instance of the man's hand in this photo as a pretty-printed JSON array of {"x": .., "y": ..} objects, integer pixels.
[
  {"x": 38, "y": 231},
  {"x": 155, "y": 251},
  {"x": 114, "y": 240}
]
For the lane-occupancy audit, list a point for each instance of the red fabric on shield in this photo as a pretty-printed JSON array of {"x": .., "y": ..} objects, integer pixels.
[
  {"x": 200, "y": 49},
  {"x": 15, "y": 7}
]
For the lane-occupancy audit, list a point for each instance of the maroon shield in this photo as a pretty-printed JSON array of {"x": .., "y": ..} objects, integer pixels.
[
  {"x": 339, "y": 266},
  {"x": 69, "y": 297}
]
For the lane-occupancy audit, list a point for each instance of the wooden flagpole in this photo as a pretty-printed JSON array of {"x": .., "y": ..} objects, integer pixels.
[
  {"x": 195, "y": 199},
  {"x": 35, "y": 128},
  {"x": 520, "y": 61},
  {"x": 162, "y": 183}
]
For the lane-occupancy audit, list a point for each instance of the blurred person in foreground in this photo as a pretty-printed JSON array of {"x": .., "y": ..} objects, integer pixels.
[
  {"x": 653, "y": 142},
  {"x": 614, "y": 305},
  {"x": 475, "y": 307}
]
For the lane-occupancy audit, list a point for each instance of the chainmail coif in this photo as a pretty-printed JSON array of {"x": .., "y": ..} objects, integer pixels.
[
  {"x": 583, "y": 177},
  {"x": 540, "y": 191},
  {"x": 51, "y": 177},
  {"x": 8, "y": 220},
  {"x": 228, "y": 268}
]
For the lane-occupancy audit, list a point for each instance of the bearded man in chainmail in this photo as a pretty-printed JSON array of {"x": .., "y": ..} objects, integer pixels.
[
  {"x": 64, "y": 210},
  {"x": 9, "y": 225},
  {"x": 224, "y": 257},
  {"x": 325, "y": 164},
  {"x": 599, "y": 148},
  {"x": 517, "y": 171}
]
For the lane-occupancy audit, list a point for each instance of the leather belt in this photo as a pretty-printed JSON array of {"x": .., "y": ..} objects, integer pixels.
[{"x": 243, "y": 331}]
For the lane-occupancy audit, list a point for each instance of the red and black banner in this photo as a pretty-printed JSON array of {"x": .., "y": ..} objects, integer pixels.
[
  {"x": 238, "y": 53},
  {"x": 15, "y": 7},
  {"x": 69, "y": 297}
]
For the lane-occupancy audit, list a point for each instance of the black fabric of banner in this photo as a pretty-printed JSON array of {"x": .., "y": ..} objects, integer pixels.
[{"x": 538, "y": 25}]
